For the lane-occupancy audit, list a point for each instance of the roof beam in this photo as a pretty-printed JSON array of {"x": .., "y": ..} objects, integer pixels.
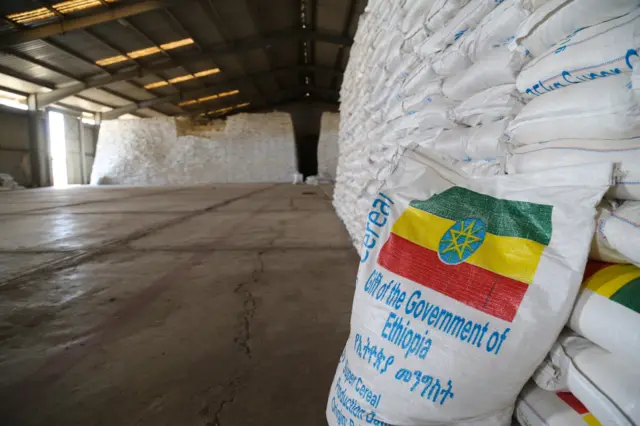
[
  {"x": 194, "y": 94},
  {"x": 99, "y": 80},
  {"x": 65, "y": 25},
  {"x": 253, "y": 9},
  {"x": 345, "y": 33}
]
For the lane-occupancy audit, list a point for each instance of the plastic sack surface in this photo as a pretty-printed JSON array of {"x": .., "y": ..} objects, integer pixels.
[
  {"x": 471, "y": 143},
  {"x": 442, "y": 12},
  {"x": 601, "y": 51},
  {"x": 424, "y": 344},
  {"x": 567, "y": 152},
  {"x": 557, "y": 19},
  {"x": 492, "y": 104},
  {"x": 574, "y": 113},
  {"x": 499, "y": 67},
  {"x": 610, "y": 300},
  {"x": 606, "y": 384},
  {"x": 465, "y": 20},
  {"x": 494, "y": 31},
  {"x": 618, "y": 234},
  {"x": 537, "y": 407}
]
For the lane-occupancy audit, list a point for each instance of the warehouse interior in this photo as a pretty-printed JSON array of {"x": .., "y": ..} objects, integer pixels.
[
  {"x": 320, "y": 212},
  {"x": 190, "y": 119}
]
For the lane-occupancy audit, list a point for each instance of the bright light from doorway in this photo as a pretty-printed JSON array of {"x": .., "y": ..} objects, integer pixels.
[{"x": 58, "y": 149}]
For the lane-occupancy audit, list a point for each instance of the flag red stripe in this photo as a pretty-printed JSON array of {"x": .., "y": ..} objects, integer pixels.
[
  {"x": 483, "y": 290},
  {"x": 593, "y": 267},
  {"x": 573, "y": 402}
]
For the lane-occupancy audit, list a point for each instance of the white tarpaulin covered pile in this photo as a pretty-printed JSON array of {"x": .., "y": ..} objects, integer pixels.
[{"x": 251, "y": 148}]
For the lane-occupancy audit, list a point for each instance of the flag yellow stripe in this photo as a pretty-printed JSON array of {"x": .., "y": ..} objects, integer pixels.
[
  {"x": 512, "y": 257},
  {"x": 606, "y": 282},
  {"x": 591, "y": 420}
]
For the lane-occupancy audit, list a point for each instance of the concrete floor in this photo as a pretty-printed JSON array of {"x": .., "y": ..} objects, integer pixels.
[{"x": 215, "y": 305}]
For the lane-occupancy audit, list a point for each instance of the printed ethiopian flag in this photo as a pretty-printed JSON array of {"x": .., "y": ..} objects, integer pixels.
[
  {"x": 480, "y": 250},
  {"x": 618, "y": 283},
  {"x": 573, "y": 402}
]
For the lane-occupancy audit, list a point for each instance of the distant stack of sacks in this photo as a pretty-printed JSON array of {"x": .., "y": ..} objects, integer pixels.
[
  {"x": 516, "y": 86},
  {"x": 328, "y": 146}
]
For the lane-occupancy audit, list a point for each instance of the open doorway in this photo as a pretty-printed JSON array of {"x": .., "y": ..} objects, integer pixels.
[{"x": 58, "y": 149}]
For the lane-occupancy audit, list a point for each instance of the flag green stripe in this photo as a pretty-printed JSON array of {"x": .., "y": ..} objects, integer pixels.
[
  {"x": 629, "y": 295},
  {"x": 504, "y": 218}
]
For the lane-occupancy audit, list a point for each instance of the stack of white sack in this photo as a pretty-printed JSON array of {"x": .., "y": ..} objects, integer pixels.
[
  {"x": 519, "y": 86},
  {"x": 328, "y": 145},
  {"x": 432, "y": 74},
  {"x": 607, "y": 385},
  {"x": 596, "y": 358},
  {"x": 537, "y": 407},
  {"x": 584, "y": 106}
]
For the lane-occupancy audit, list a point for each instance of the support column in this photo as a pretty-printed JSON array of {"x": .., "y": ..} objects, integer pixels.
[
  {"x": 83, "y": 158},
  {"x": 35, "y": 144}
]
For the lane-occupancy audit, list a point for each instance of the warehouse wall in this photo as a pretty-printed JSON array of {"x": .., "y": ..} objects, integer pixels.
[
  {"x": 14, "y": 146},
  {"x": 160, "y": 151}
]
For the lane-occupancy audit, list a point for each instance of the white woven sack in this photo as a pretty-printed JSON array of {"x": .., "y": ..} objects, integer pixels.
[
  {"x": 414, "y": 40},
  {"x": 426, "y": 105},
  {"x": 405, "y": 68},
  {"x": 533, "y": 5},
  {"x": 466, "y": 19},
  {"x": 394, "y": 55},
  {"x": 609, "y": 301},
  {"x": 492, "y": 104},
  {"x": 405, "y": 362},
  {"x": 481, "y": 168},
  {"x": 472, "y": 143},
  {"x": 600, "y": 109},
  {"x": 437, "y": 114},
  {"x": 537, "y": 407},
  {"x": 617, "y": 236},
  {"x": 500, "y": 67},
  {"x": 557, "y": 19},
  {"x": 635, "y": 82},
  {"x": 601, "y": 51},
  {"x": 607, "y": 385},
  {"x": 418, "y": 78},
  {"x": 451, "y": 61},
  {"x": 433, "y": 44},
  {"x": 442, "y": 12},
  {"x": 601, "y": 250},
  {"x": 496, "y": 30},
  {"x": 415, "y": 16},
  {"x": 569, "y": 152}
]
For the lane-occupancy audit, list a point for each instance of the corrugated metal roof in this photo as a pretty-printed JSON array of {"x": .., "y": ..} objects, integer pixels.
[
  {"x": 101, "y": 96},
  {"x": 210, "y": 23},
  {"x": 30, "y": 69},
  {"x": 129, "y": 90},
  {"x": 84, "y": 104}
]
